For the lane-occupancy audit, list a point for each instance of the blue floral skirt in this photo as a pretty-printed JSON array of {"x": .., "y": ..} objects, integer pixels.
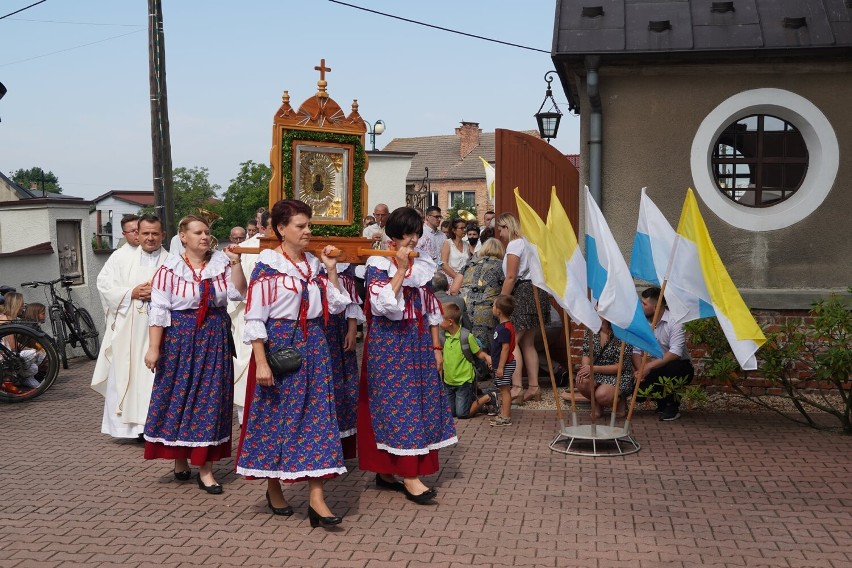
[
  {"x": 344, "y": 372},
  {"x": 192, "y": 400},
  {"x": 406, "y": 413},
  {"x": 290, "y": 429}
]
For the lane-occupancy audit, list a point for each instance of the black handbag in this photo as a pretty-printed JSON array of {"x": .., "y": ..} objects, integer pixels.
[{"x": 283, "y": 361}]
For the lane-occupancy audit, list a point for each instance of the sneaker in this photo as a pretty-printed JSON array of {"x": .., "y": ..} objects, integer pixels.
[
  {"x": 669, "y": 414},
  {"x": 31, "y": 382},
  {"x": 493, "y": 405},
  {"x": 500, "y": 421}
]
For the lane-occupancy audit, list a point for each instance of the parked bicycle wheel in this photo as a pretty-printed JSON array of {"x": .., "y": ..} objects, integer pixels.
[
  {"x": 29, "y": 363},
  {"x": 87, "y": 333},
  {"x": 59, "y": 339}
]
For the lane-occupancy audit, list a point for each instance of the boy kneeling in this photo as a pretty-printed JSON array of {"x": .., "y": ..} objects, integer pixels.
[{"x": 458, "y": 373}]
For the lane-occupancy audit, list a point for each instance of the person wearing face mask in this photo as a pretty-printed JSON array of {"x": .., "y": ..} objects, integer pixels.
[{"x": 473, "y": 241}]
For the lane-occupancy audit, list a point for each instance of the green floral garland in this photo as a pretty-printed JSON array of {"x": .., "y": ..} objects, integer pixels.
[{"x": 353, "y": 230}]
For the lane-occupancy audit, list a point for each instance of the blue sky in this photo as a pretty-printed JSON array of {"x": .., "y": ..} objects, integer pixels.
[{"x": 84, "y": 113}]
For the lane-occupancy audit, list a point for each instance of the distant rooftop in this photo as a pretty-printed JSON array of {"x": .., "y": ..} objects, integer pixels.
[
  {"x": 443, "y": 155},
  {"x": 140, "y": 198}
]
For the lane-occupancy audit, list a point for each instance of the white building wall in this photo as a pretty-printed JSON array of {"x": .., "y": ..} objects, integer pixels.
[
  {"x": 23, "y": 225},
  {"x": 22, "y": 228},
  {"x": 112, "y": 210}
]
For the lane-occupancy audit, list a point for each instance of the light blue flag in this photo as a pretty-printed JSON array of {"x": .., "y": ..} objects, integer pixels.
[{"x": 612, "y": 286}]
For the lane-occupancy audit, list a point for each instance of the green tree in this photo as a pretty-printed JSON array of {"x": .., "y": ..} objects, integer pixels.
[
  {"x": 35, "y": 175},
  {"x": 246, "y": 192},
  {"x": 192, "y": 190}
]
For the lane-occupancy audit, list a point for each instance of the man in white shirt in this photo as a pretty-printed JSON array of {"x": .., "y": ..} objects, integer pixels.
[
  {"x": 487, "y": 220},
  {"x": 675, "y": 363},
  {"x": 237, "y": 236},
  {"x": 433, "y": 238},
  {"x": 129, "y": 233},
  {"x": 120, "y": 374},
  {"x": 376, "y": 231}
]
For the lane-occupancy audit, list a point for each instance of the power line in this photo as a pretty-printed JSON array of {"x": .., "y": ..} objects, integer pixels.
[
  {"x": 438, "y": 27},
  {"x": 22, "y": 9},
  {"x": 76, "y": 23},
  {"x": 71, "y": 48}
]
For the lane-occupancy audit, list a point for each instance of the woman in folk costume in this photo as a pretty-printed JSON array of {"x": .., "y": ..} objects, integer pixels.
[
  {"x": 340, "y": 333},
  {"x": 403, "y": 413},
  {"x": 290, "y": 429},
  {"x": 190, "y": 351}
]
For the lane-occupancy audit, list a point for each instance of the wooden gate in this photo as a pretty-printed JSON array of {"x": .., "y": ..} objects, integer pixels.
[{"x": 534, "y": 166}]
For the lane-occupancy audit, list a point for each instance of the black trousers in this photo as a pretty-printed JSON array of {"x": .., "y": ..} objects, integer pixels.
[{"x": 674, "y": 369}]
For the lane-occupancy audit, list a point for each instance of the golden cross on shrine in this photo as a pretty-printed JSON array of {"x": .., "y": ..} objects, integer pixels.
[{"x": 322, "y": 83}]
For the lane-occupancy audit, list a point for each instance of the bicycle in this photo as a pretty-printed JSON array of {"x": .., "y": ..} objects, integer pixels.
[
  {"x": 71, "y": 324},
  {"x": 29, "y": 362}
]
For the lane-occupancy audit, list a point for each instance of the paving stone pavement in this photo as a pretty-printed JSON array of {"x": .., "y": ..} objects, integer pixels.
[{"x": 710, "y": 489}]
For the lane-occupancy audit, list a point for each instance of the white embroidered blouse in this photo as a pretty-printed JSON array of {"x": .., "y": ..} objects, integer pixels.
[
  {"x": 279, "y": 296},
  {"x": 353, "y": 310},
  {"x": 175, "y": 288},
  {"x": 384, "y": 303}
]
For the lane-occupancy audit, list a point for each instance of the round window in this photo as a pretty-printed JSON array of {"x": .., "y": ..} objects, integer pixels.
[
  {"x": 764, "y": 159},
  {"x": 759, "y": 160}
]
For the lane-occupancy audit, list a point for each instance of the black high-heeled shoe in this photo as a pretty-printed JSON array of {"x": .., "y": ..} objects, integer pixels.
[
  {"x": 317, "y": 520},
  {"x": 421, "y": 498},
  {"x": 183, "y": 475},
  {"x": 283, "y": 511},
  {"x": 382, "y": 483},
  {"x": 215, "y": 489}
]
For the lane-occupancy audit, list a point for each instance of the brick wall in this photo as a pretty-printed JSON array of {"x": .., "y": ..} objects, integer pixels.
[
  {"x": 755, "y": 384},
  {"x": 444, "y": 187}
]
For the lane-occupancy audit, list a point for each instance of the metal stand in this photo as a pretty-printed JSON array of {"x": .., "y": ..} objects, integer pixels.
[{"x": 594, "y": 440}]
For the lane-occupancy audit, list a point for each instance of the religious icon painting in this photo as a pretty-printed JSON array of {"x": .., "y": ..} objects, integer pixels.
[{"x": 322, "y": 178}]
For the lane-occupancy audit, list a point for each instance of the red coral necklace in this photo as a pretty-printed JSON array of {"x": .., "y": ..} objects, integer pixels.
[
  {"x": 305, "y": 277},
  {"x": 195, "y": 276}
]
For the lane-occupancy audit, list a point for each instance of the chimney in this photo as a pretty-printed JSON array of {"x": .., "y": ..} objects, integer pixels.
[
  {"x": 468, "y": 134},
  {"x": 33, "y": 186}
]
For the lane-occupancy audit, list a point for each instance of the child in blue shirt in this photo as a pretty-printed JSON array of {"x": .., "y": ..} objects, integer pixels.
[{"x": 502, "y": 346}]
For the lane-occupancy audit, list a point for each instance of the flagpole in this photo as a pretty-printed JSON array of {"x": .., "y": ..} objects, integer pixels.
[
  {"x": 549, "y": 362},
  {"x": 566, "y": 325},
  {"x": 654, "y": 321},
  {"x": 617, "y": 384}
]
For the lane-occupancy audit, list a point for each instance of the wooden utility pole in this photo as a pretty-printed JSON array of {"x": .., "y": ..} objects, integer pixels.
[{"x": 161, "y": 145}]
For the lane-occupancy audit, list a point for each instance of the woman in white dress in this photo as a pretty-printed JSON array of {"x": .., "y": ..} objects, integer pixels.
[{"x": 454, "y": 254}]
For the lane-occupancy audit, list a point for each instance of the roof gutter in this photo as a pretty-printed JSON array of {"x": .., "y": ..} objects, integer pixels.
[{"x": 595, "y": 127}]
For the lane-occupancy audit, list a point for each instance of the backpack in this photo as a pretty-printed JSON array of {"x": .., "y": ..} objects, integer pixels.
[{"x": 480, "y": 369}]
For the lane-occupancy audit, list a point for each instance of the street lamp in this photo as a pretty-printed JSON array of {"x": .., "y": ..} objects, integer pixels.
[
  {"x": 548, "y": 122},
  {"x": 375, "y": 130}
]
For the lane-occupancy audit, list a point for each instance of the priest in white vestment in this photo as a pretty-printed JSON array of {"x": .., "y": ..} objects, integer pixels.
[
  {"x": 120, "y": 374},
  {"x": 130, "y": 230},
  {"x": 236, "y": 311}
]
